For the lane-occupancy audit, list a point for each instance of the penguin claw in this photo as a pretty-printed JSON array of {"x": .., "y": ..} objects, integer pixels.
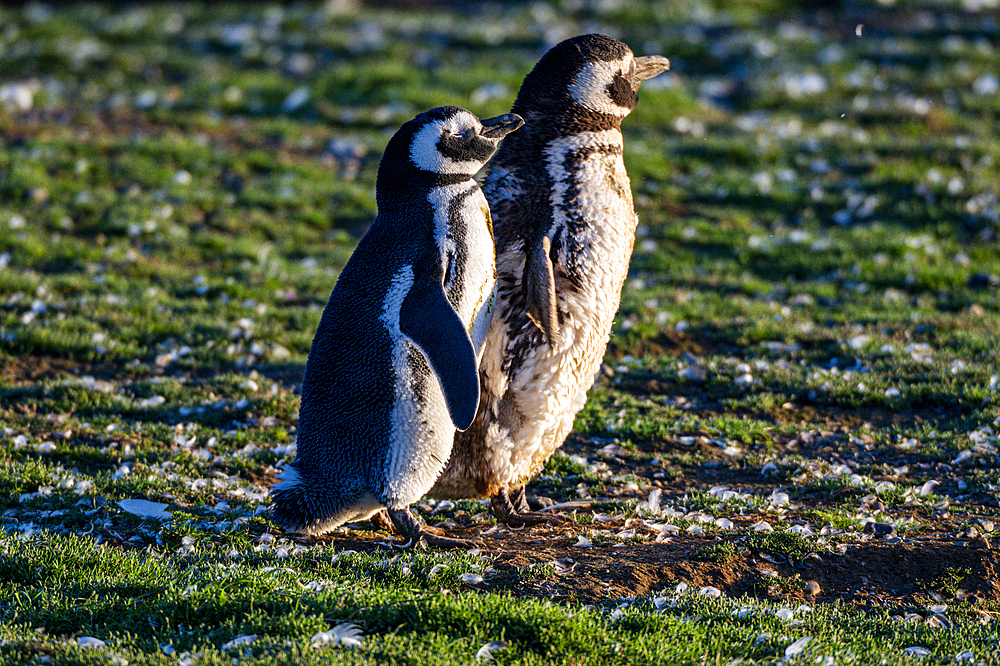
[
  {"x": 525, "y": 504},
  {"x": 514, "y": 511},
  {"x": 425, "y": 539},
  {"x": 520, "y": 520},
  {"x": 451, "y": 542},
  {"x": 417, "y": 535}
]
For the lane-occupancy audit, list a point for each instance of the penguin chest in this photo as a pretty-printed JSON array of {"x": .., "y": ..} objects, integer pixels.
[
  {"x": 464, "y": 235},
  {"x": 422, "y": 432},
  {"x": 592, "y": 234},
  {"x": 593, "y": 219}
]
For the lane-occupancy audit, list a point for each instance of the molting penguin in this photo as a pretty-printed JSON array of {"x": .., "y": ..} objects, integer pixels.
[
  {"x": 564, "y": 229},
  {"x": 392, "y": 371}
]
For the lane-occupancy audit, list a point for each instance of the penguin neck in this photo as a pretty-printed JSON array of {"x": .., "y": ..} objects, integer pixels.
[
  {"x": 395, "y": 186},
  {"x": 548, "y": 124}
]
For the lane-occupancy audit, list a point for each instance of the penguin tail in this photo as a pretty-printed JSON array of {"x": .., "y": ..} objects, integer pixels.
[
  {"x": 306, "y": 506},
  {"x": 289, "y": 501}
]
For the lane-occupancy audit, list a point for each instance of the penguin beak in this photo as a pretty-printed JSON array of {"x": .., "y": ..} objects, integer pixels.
[
  {"x": 501, "y": 126},
  {"x": 646, "y": 67}
]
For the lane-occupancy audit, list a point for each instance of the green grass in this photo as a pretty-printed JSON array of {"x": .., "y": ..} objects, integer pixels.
[
  {"x": 171, "y": 227},
  {"x": 155, "y": 607}
]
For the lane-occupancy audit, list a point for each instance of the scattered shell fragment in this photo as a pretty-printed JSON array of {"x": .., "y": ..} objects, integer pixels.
[
  {"x": 486, "y": 651},
  {"x": 796, "y": 648},
  {"x": 916, "y": 651},
  {"x": 239, "y": 641}
]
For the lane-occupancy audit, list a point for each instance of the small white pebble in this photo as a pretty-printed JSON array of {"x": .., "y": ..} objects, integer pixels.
[
  {"x": 916, "y": 651},
  {"x": 796, "y": 648},
  {"x": 239, "y": 641},
  {"x": 45, "y": 447}
]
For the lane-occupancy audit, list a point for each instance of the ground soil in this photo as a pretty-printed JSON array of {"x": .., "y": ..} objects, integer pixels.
[{"x": 868, "y": 572}]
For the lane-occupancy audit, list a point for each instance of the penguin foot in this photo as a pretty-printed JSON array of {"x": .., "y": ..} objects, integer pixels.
[
  {"x": 533, "y": 503},
  {"x": 414, "y": 533},
  {"x": 380, "y": 521},
  {"x": 516, "y": 511}
]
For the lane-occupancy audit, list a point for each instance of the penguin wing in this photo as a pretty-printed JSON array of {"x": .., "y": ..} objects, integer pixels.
[
  {"x": 431, "y": 323},
  {"x": 540, "y": 288}
]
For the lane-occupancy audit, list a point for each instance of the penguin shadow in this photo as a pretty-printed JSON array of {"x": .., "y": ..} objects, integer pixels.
[
  {"x": 288, "y": 375},
  {"x": 377, "y": 535}
]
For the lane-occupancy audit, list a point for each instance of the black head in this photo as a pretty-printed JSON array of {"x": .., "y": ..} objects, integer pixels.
[
  {"x": 588, "y": 74},
  {"x": 444, "y": 145}
]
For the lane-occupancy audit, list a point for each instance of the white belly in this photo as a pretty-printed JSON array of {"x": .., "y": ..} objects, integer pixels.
[{"x": 422, "y": 430}]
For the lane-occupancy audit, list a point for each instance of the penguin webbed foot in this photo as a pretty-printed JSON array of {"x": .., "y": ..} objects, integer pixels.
[
  {"x": 533, "y": 503},
  {"x": 408, "y": 527},
  {"x": 520, "y": 510},
  {"x": 380, "y": 521}
]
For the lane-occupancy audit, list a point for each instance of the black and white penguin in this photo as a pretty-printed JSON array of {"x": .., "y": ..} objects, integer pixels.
[
  {"x": 392, "y": 372},
  {"x": 564, "y": 227}
]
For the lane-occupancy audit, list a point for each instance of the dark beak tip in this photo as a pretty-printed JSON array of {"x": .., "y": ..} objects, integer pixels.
[
  {"x": 502, "y": 125},
  {"x": 650, "y": 66}
]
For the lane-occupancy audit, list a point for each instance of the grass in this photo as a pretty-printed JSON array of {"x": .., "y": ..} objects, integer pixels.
[
  {"x": 807, "y": 339},
  {"x": 157, "y": 608}
]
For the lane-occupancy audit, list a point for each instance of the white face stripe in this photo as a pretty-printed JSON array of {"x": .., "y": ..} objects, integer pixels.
[
  {"x": 424, "y": 151},
  {"x": 590, "y": 87}
]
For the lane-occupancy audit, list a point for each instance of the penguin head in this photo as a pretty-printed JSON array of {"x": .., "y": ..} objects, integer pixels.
[
  {"x": 449, "y": 140},
  {"x": 588, "y": 74},
  {"x": 444, "y": 145}
]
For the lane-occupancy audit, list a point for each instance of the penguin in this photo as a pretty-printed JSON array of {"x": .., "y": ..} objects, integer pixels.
[
  {"x": 392, "y": 371},
  {"x": 564, "y": 227}
]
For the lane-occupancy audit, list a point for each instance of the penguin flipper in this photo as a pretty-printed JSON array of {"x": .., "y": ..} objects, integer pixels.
[
  {"x": 431, "y": 323},
  {"x": 540, "y": 288}
]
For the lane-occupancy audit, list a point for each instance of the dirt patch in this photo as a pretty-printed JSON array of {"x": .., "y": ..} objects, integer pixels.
[
  {"x": 29, "y": 368},
  {"x": 547, "y": 563}
]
